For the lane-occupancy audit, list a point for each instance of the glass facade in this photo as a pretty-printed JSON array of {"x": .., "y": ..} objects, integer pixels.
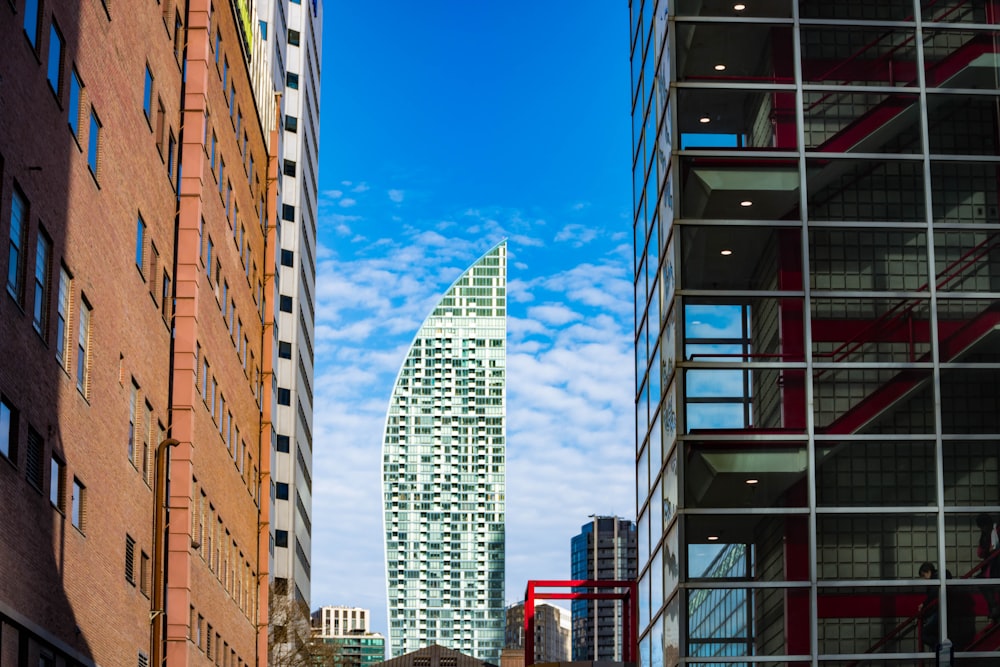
[
  {"x": 443, "y": 473},
  {"x": 817, "y": 271}
]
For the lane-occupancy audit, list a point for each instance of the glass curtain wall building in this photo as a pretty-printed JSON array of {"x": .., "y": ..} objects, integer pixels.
[
  {"x": 817, "y": 271},
  {"x": 443, "y": 472}
]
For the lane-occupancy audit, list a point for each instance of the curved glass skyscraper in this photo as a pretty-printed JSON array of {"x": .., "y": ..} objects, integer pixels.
[{"x": 443, "y": 472}]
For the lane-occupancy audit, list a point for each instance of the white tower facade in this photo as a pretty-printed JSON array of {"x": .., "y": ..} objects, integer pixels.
[{"x": 443, "y": 472}]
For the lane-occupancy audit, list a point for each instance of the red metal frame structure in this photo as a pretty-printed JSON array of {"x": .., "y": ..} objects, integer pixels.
[{"x": 629, "y": 596}]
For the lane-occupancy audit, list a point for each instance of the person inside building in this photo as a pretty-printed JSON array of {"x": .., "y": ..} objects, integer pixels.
[{"x": 929, "y": 625}]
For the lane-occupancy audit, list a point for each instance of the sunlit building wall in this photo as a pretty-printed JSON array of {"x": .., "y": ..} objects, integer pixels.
[
  {"x": 816, "y": 280},
  {"x": 443, "y": 472},
  {"x": 553, "y": 631}
]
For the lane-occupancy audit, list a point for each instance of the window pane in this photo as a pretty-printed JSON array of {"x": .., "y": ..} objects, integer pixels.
[
  {"x": 93, "y": 146},
  {"x": 55, "y": 57}
]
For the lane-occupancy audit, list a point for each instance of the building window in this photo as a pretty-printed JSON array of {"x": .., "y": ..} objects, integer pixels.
[
  {"x": 15, "y": 258},
  {"x": 83, "y": 349},
  {"x": 293, "y": 37},
  {"x": 283, "y": 443},
  {"x": 285, "y": 304},
  {"x": 263, "y": 30},
  {"x": 171, "y": 155},
  {"x": 284, "y": 396},
  {"x": 79, "y": 505},
  {"x": 140, "y": 245},
  {"x": 129, "y": 559},
  {"x": 94, "y": 143},
  {"x": 40, "y": 313},
  {"x": 161, "y": 123},
  {"x": 291, "y": 123},
  {"x": 284, "y": 349},
  {"x": 292, "y": 80},
  {"x": 31, "y": 21},
  {"x": 147, "y": 96},
  {"x": 281, "y": 491},
  {"x": 287, "y": 257},
  {"x": 147, "y": 427},
  {"x": 289, "y": 168},
  {"x": 8, "y": 430},
  {"x": 133, "y": 409},
  {"x": 288, "y": 212},
  {"x": 281, "y": 538},
  {"x": 75, "y": 109},
  {"x": 165, "y": 296},
  {"x": 144, "y": 573},
  {"x": 56, "y": 483},
  {"x": 33, "y": 458},
  {"x": 55, "y": 58},
  {"x": 62, "y": 316}
]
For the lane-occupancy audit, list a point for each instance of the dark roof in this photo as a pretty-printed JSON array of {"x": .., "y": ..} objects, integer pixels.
[{"x": 435, "y": 655}]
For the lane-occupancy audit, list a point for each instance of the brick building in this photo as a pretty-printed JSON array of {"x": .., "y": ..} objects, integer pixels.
[{"x": 135, "y": 203}]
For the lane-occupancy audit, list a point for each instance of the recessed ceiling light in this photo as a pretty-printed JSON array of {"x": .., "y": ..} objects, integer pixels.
[
  {"x": 752, "y": 481},
  {"x": 720, "y": 68},
  {"x": 705, "y": 119},
  {"x": 726, "y": 253},
  {"x": 745, "y": 203},
  {"x": 739, "y": 6},
  {"x": 713, "y": 538}
]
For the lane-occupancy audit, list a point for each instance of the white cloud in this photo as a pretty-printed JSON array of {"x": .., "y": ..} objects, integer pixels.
[
  {"x": 360, "y": 187},
  {"x": 578, "y": 235},
  {"x": 553, "y": 314},
  {"x": 396, "y": 195},
  {"x": 347, "y": 202}
]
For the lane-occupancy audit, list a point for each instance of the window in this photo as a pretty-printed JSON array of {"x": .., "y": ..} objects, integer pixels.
[
  {"x": 287, "y": 257},
  {"x": 147, "y": 96},
  {"x": 284, "y": 396},
  {"x": 8, "y": 430},
  {"x": 55, "y": 58},
  {"x": 281, "y": 491},
  {"x": 144, "y": 573},
  {"x": 15, "y": 258},
  {"x": 82, "y": 349},
  {"x": 291, "y": 123},
  {"x": 56, "y": 483},
  {"x": 62, "y": 316},
  {"x": 282, "y": 444},
  {"x": 133, "y": 410},
  {"x": 33, "y": 458},
  {"x": 293, "y": 38},
  {"x": 31, "y": 21},
  {"x": 222, "y": 172},
  {"x": 285, "y": 304},
  {"x": 171, "y": 155},
  {"x": 147, "y": 427},
  {"x": 129, "y": 559},
  {"x": 161, "y": 122},
  {"x": 263, "y": 30},
  {"x": 225, "y": 70},
  {"x": 140, "y": 245},
  {"x": 281, "y": 538},
  {"x": 75, "y": 109},
  {"x": 165, "y": 295},
  {"x": 40, "y": 313},
  {"x": 232, "y": 99},
  {"x": 93, "y": 146},
  {"x": 289, "y": 168},
  {"x": 208, "y": 259},
  {"x": 79, "y": 505},
  {"x": 292, "y": 80},
  {"x": 178, "y": 37},
  {"x": 287, "y": 212},
  {"x": 284, "y": 349}
]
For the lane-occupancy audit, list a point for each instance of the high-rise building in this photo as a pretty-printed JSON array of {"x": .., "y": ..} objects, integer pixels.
[
  {"x": 553, "y": 631},
  {"x": 136, "y": 332},
  {"x": 817, "y": 279},
  {"x": 348, "y": 629},
  {"x": 604, "y": 549},
  {"x": 443, "y": 472},
  {"x": 293, "y": 48}
]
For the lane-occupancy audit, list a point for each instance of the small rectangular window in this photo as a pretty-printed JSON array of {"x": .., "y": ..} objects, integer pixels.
[
  {"x": 291, "y": 124},
  {"x": 288, "y": 212},
  {"x": 281, "y": 491},
  {"x": 40, "y": 312},
  {"x": 129, "y": 559},
  {"x": 55, "y": 58},
  {"x": 263, "y": 30},
  {"x": 31, "y": 21},
  {"x": 140, "y": 245},
  {"x": 171, "y": 156},
  {"x": 75, "y": 97},
  {"x": 15, "y": 256},
  {"x": 144, "y": 573},
  {"x": 282, "y": 444},
  {"x": 94, "y": 143},
  {"x": 284, "y": 349},
  {"x": 165, "y": 296},
  {"x": 285, "y": 304},
  {"x": 281, "y": 538},
  {"x": 33, "y": 458},
  {"x": 289, "y": 167},
  {"x": 83, "y": 349},
  {"x": 79, "y": 505},
  {"x": 147, "y": 96},
  {"x": 8, "y": 430},
  {"x": 293, "y": 38},
  {"x": 292, "y": 80},
  {"x": 57, "y": 483},
  {"x": 160, "y": 130},
  {"x": 287, "y": 257},
  {"x": 62, "y": 316}
]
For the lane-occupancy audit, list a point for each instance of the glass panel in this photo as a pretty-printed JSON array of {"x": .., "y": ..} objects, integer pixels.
[
  {"x": 965, "y": 192},
  {"x": 747, "y": 622},
  {"x": 862, "y": 259},
  {"x": 866, "y": 190},
  {"x": 870, "y": 330},
  {"x": 961, "y": 58},
  {"x": 873, "y": 400},
  {"x": 883, "y": 10},
  {"x": 750, "y": 547},
  {"x": 743, "y": 119},
  {"x": 874, "y": 546},
  {"x": 740, "y": 187},
  {"x": 671, "y": 563},
  {"x": 967, "y": 261},
  {"x": 875, "y": 620},
  {"x": 849, "y": 121},
  {"x": 954, "y": 11},
  {"x": 669, "y": 483},
  {"x": 747, "y": 473},
  {"x": 671, "y": 633},
  {"x": 656, "y": 641},
  {"x": 740, "y": 258},
  {"x": 962, "y": 124},
  {"x": 969, "y": 399},
  {"x": 863, "y": 474},
  {"x": 761, "y": 8},
  {"x": 729, "y": 52},
  {"x": 643, "y": 586},
  {"x": 656, "y": 582},
  {"x": 971, "y": 473},
  {"x": 858, "y": 56}
]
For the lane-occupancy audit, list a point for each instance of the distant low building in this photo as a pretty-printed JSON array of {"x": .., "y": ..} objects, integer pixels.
[
  {"x": 553, "y": 631},
  {"x": 348, "y": 629},
  {"x": 436, "y": 655}
]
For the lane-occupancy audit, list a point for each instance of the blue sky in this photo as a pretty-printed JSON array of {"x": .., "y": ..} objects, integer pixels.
[{"x": 447, "y": 126}]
